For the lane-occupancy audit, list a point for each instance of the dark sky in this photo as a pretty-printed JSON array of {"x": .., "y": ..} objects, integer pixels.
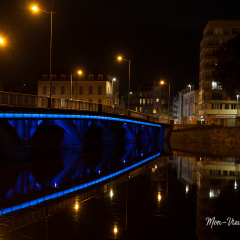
[{"x": 161, "y": 37}]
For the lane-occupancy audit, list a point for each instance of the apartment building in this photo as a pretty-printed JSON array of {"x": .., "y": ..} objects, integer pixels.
[
  {"x": 95, "y": 88},
  {"x": 215, "y": 106},
  {"x": 152, "y": 100}
]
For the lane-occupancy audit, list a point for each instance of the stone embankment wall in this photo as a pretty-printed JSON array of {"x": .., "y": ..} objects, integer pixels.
[{"x": 209, "y": 140}]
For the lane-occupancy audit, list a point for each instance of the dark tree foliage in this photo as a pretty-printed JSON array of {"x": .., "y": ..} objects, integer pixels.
[{"x": 228, "y": 66}]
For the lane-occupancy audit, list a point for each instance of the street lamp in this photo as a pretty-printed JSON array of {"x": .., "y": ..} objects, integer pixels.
[
  {"x": 35, "y": 9},
  {"x": 1, "y": 41},
  {"x": 119, "y": 58},
  {"x": 163, "y": 83},
  {"x": 190, "y": 86},
  {"x": 80, "y": 73},
  {"x": 113, "y": 95}
]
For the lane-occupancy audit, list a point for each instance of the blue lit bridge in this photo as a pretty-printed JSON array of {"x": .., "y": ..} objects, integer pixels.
[{"x": 26, "y": 120}]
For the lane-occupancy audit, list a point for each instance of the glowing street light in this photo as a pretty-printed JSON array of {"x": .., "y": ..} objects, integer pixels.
[
  {"x": 163, "y": 83},
  {"x": 111, "y": 193},
  {"x": 115, "y": 230},
  {"x": 159, "y": 197},
  {"x": 119, "y": 58},
  {"x": 2, "y": 41},
  {"x": 36, "y": 9},
  {"x": 190, "y": 86}
]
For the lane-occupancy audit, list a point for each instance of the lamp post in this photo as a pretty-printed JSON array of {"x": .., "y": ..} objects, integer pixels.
[
  {"x": 80, "y": 73},
  {"x": 190, "y": 86},
  {"x": 237, "y": 105},
  {"x": 129, "y": 74},
  {"x": 35, "y": 9},
  {"x": 163, "y": 83}
]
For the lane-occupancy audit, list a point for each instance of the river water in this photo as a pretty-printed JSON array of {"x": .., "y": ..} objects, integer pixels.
[{"x": 141, "y": 193}]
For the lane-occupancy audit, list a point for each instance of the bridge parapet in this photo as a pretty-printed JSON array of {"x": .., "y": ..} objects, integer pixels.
[{"x": 9, "y": 99}]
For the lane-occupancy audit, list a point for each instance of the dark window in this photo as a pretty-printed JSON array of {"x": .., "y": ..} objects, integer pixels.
[
  {"x": 44, "y": 89},
  {"x": 81, "y": 90},
  {"x": 62, "y": 90},
  {"x": 53, "y": 89},
  {"x": 90, "y": 90},
  {"x": 216, "y": 96},
  {"x": 99, "y": 90}
]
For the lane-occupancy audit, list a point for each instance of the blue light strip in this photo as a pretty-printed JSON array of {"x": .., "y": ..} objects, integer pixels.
[
  {"x": 70, "y": 190},
  {"x": 67, "y": 116}
]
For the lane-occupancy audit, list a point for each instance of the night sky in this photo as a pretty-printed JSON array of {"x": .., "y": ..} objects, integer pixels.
[{"x": 161, "y": 37}]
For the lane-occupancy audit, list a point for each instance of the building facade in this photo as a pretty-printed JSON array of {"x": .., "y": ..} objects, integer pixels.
[
  {"x": 152, "y": 101},
  {"x": 95, "y": 88},
  {"x": 215, "y": 106},
  {"x": 188, "y": 106}
]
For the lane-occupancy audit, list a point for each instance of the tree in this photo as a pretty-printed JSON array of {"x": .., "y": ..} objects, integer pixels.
[{"x": 228, "y": 66}]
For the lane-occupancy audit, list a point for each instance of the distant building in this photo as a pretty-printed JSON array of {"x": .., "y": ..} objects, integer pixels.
[
  {"x": 152, "y": 100},
  {"x": 175, "y": 108},
  {"x": 95, "y": 88},
  {"x": 215, "y": 106},
  {"x": 188, "y": 106}
]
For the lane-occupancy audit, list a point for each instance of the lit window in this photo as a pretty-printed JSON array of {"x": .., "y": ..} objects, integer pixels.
[
  {"x": 140, "y": 109},
  {"x": 157, "y": 99},
  {"x": 140, "y": 101},
  {"x": 216, "y": 86},
  {"x": 148, "y": 101},
  {"x": 218, "y": 31},
  {"x": 143, "y": 101}
]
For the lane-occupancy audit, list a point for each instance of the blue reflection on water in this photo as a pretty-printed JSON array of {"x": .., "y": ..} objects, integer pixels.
[{"x": 73, "y": 189}]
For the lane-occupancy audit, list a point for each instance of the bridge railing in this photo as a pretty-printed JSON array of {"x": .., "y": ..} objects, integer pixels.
[{"x": 33, "y": 101}]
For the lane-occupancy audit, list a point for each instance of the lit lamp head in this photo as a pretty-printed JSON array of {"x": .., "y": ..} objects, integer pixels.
[
  {"x": 80, "y": 72},
  {"x": 189, "y": 85},
  {"x": 119, "y": 58},
  {"x": 114, "y": 79},
  {"x": 1, "y": 41},
  {"x": 162, "y": 82},
  {"x": 35, "y": 8}
]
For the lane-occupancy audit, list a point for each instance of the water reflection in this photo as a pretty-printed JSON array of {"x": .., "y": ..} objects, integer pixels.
[{"x": 217, "y": 194}]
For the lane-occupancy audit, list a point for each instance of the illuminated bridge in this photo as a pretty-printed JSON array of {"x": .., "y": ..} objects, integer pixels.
[{"x": 25, "y": 120}]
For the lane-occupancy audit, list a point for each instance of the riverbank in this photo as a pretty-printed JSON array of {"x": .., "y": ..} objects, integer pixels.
[{"x": 206, "y": 140}]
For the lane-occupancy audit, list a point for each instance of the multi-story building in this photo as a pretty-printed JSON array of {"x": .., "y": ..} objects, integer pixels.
[
  {"x": 95, "y": 88},
  {"x": 188, "y": 106},
  {"x": 152, "y": 100},
  {"x": 215, "y": 106}
]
